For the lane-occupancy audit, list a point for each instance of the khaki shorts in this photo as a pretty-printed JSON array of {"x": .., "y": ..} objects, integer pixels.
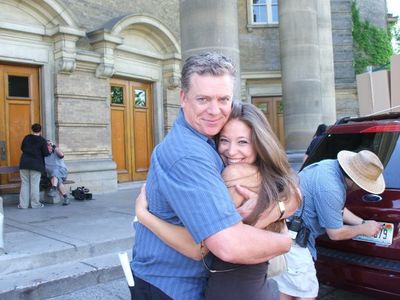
[{"x": 300, "y": 279}]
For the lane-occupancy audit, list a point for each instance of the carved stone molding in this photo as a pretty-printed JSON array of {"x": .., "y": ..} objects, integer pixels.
[
  {"x": 66, "y": 65},
  {"x": 171, "y": 73},
  {"x": 173, "y": 82},
  {"x": 65, "y": 48},
  {"x": 105, "y": 70},
  {"x": 104, "y": 43}
]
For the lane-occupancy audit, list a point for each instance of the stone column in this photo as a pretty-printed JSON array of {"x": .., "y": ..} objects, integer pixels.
[
  {"x": 210, "y": 25},
  {"x": 327, "y": 69},
  {"x": 307, "y": 69}
]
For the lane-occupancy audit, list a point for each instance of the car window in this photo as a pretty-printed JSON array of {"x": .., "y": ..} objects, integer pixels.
[
  {"x": 392, "y": 173},
  {"x": 384, "y": 144}
]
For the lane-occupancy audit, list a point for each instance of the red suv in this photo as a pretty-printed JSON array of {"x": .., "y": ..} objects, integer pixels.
[{"x": 369, "y": 266}]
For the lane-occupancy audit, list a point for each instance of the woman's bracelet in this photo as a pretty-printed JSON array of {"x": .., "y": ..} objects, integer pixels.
[{"x": 282, "y": 209}]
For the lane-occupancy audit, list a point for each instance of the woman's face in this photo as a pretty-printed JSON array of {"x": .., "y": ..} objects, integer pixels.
[{"x": 235, "y": 144}]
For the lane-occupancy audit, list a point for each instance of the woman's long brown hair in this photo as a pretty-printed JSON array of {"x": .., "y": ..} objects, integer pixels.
[{"x": 278, "y": 180}]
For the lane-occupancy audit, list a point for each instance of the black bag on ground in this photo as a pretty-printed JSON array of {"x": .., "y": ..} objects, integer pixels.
[{"x": 81, "y": 193}]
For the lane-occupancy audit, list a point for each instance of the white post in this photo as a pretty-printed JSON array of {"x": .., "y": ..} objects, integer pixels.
[{"x": 1, "y": 227}]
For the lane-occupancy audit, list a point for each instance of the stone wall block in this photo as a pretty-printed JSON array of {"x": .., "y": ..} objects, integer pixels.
[
  {"x": 84, "y": 111},
  {"x": 85, "y": 142},
  {"x": 82, "y": 83},
  {"x": 93, "y": 14}
]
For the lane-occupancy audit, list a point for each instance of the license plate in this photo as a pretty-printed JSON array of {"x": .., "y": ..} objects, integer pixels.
[{"x": 383, "y": 238}]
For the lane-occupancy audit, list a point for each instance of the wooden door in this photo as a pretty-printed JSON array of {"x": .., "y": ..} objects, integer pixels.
[
  {"x": 19, "y": 109},
  {"x": 131, "y": 127},
  {"x": 273, "y": 110}
]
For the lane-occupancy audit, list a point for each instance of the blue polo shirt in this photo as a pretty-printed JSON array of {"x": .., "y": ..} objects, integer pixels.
[
  {"x": 184, "y": 187},
  {"x": 323, "y": 187}
]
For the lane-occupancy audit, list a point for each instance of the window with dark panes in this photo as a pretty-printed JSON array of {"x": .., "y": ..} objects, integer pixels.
[
  {"x": 18, "y": 86},
  {"x": 140, "y": 98},
  {"x": 117, "y": 95}
]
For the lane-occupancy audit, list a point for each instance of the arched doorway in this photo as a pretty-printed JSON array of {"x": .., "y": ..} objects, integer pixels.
[{"x": 146, "y": 68}]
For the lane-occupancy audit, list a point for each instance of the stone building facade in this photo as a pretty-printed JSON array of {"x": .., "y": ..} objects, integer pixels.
[{"x": 102, "y": 76}]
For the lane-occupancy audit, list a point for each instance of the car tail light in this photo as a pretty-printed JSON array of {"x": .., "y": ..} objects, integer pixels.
[{"x": 383, "y": 128}]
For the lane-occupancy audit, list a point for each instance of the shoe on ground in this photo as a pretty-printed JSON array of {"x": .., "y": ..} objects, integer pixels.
[
  {"x": 66, "y": 201},
  {"x": 52, "y": 192},
  {"x": 40, "y": 206}
]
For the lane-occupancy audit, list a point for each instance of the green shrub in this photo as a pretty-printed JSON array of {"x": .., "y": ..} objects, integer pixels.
[{"x": 372, "y": 45}]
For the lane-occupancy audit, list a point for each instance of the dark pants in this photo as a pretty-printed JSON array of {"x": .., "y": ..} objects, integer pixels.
[{"x": 146, "y": 291}]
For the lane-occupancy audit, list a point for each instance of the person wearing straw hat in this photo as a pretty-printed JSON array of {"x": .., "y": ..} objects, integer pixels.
[{"x": 324, "y": 186}]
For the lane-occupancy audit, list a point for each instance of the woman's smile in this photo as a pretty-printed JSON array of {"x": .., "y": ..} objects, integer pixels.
[{"x": 235, "y": 144}]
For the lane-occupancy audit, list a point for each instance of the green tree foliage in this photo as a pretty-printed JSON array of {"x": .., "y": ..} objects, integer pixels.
[
  {"x": 396, "y": 33},
  {"x": 372, "y": 45}
]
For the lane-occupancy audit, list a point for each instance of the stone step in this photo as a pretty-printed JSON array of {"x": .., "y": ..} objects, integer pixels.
[
  {"x": 57, "y": 250},
  {"x": 116, "y": 289},
  {"x": 12, "y": 263},
  {"x": 62, "y": 278},
  {"x": 45, "y": 247}
]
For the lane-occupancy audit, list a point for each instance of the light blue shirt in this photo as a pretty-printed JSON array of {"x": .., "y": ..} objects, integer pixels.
[
  {"x": 324, "y": 194},
  {"x": 184, "y": 187},
  {"x": 55, "y": 165}
]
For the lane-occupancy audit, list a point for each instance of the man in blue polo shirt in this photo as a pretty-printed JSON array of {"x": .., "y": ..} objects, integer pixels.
[
  {"x": 324, "y": 186},
  {"x": 184, "y": 186}
]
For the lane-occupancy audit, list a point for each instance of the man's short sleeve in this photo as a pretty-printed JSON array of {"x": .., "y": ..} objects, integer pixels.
[
  {"x": 329, "y": 207},
  {"x": 196, "y": 192}
]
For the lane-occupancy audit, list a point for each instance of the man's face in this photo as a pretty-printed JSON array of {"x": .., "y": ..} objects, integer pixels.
[
  {"x": 50, "y": 147},
  {"x": 208, "y": 102}
]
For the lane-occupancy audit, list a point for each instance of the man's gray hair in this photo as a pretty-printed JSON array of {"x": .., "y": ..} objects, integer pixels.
[{"x": 210, "y": 63}]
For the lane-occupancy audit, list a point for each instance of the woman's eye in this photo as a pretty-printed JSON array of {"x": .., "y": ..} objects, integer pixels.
[
  {"x": 223, "y": 140},
  {"x": 243, "y": 142}
]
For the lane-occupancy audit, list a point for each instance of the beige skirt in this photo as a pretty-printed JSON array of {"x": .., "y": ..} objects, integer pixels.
[{"x": 300, "y": 279}]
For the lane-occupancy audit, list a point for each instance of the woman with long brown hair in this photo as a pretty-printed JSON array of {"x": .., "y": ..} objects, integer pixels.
[{"x": 254, "y": 159}]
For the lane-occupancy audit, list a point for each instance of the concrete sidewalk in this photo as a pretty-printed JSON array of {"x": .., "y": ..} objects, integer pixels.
[
  {"x": 58, "y": 249},
  {"x": 70, "y": 252}
]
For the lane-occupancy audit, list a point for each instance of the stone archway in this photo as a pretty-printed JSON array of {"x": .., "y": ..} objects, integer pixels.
[
  {"x": 26, "y": 28},
  {"x": 157, "y": 34},
  {"x": 36, "y": 16},
  {"x": 138, "y": 50}
]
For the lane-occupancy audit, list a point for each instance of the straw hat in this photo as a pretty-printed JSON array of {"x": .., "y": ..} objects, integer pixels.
[{"x": 364, "y": 168}]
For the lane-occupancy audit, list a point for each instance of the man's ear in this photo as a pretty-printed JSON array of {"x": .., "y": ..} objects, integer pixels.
[{"x": 182, "y": 97}]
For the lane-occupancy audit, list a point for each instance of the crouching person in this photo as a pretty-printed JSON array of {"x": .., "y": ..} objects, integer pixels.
[
  {"x": 324, "y": 186},
  {"x": 56, "y": 171}
]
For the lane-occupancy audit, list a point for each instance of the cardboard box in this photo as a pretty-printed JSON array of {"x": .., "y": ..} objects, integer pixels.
[
  {"x": 373, "y": 92},
  {"x": 395, "y": 83}
]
